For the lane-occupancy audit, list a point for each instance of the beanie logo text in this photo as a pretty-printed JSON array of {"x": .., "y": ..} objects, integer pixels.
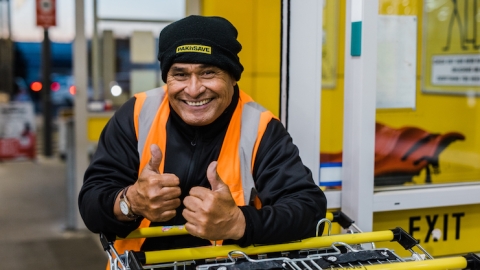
[{"x": 194, "y": 48}]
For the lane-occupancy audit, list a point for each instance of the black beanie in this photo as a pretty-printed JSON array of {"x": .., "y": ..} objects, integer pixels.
[{"x": 200, "y": 40}]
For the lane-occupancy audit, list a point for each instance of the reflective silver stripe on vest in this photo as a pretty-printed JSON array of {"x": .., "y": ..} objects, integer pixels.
[
  {"x": 248, "y": 134},
  {"x": 147, "y": 114}
]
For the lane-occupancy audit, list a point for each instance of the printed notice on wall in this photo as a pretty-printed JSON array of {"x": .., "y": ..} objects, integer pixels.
[
  {"x": 451, "y": 48},
  {"x": 456, "y": 70}
]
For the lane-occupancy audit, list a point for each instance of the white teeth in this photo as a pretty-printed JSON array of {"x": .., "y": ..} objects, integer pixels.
[{"x": 198, "y": 103}]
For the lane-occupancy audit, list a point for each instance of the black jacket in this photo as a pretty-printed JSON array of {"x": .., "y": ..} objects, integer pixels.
[{"x": 292, "y": 202}]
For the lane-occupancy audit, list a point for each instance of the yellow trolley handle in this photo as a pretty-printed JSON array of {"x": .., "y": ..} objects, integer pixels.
[
  {"x": 447, "y": 263},
  {"x": 154, "y": 257},
  {"x": 157, "y": 231},
  {"x": 199, "y": 253},
  {"x": 161, "y": 231},
  {"x": 468, "y": 262}
]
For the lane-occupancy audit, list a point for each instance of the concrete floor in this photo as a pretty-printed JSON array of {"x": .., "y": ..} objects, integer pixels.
[{"x": 33, "y": 219}]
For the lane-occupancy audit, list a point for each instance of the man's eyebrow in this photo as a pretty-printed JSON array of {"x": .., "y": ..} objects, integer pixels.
[
  {"x": 206, "y": 66},
  {"x": 181, "y": 68},
  {"x": 177, "y": 68}
]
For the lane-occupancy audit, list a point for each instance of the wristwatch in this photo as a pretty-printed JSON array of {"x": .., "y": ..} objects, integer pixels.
[{"x": 125, "y": 205}]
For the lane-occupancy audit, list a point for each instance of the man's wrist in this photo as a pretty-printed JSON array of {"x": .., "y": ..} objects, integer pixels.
[
  {"x": 126, "y": 206},
  {"x": 239, "y": 228},
  {"x": 246, "y": 239}
]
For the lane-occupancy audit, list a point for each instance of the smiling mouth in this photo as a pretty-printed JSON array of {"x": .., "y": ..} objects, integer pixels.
[{"x": 198, "y": 103}]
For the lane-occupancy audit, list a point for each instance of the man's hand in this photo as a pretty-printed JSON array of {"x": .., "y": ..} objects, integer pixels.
[
  {"x": 155, "y": 196},
  {"x": 213, "y": 214}
]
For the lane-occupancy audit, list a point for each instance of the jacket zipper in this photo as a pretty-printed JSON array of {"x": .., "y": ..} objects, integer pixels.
[
  {"x": 195, "y": 138},
  {"x": 193, "y": 162}
]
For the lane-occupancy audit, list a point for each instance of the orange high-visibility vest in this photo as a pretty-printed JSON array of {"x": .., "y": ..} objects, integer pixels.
[{"x": 237, "y": 155}]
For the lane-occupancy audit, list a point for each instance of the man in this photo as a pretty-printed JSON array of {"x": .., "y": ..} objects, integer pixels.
[{"x": 199, "y": 153}]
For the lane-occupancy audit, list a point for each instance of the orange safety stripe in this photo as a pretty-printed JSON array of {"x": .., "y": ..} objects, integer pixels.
[
  {"x": 160, "y": 139},
  {"x": 228, "y": 166}
]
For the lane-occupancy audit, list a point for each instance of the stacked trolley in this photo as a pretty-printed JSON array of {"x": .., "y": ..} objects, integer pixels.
[{"x": 353, "y": 250}]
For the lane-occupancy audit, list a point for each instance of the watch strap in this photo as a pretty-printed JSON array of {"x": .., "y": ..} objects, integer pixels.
[{"x": 123, "y": 196}]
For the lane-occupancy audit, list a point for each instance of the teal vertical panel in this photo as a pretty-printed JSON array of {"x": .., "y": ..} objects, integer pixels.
[{"x": 356, "y": 42}]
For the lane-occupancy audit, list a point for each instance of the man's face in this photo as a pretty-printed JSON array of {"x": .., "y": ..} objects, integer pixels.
[{"x": 199, "y": 93}]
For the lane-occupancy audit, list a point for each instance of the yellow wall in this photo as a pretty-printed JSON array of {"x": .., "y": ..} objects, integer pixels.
[
  {"x": 434, "y": 112},
  {"x": 438, "y": 113},
  {"x": 258, "y": 23},
  {"x": 331, "y": 118}
]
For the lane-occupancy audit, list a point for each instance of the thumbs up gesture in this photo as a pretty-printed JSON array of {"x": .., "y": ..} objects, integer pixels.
[
  {"x": 213, "y": 214},
  {"x": 155, "y": 196}
]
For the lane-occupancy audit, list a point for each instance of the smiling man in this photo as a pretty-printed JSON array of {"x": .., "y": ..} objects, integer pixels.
[{"x": 199, "y": 153}]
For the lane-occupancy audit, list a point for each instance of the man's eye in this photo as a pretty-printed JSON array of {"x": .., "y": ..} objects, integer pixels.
[
  {"x": 208, "y": 73},
  {"x": 180, "y": 76}
]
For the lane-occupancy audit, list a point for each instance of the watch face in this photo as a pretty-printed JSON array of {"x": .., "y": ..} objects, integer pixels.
[{"x": 124, "y": 207}]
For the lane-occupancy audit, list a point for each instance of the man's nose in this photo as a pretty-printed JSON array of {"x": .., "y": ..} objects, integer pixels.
[{"x": 194, "y": 87}]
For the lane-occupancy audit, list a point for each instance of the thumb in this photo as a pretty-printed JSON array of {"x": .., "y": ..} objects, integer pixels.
[
  {"x": 156, "y": 159},
  {"x": 215, "y": 182}
]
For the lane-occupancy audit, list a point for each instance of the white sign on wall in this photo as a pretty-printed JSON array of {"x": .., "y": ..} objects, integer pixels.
[
  {"x": 396, "y": 61},
  {"x": 456, "y": 70}
]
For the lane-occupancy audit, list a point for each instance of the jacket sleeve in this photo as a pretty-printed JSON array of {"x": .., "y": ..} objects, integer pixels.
[
  {"x": 292, "y": 204},
  {"x": 112, "y": 168}
]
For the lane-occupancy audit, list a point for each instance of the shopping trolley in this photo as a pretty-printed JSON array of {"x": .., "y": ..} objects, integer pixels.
[{"x": 351, "y": 250}]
